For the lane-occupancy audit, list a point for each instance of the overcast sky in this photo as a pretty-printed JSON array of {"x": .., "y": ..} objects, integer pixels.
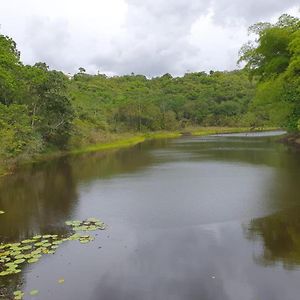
[{"x": 150, "y": 37}]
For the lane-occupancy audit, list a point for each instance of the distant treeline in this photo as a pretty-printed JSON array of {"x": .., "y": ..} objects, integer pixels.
[{"x": 45, "y": 110}]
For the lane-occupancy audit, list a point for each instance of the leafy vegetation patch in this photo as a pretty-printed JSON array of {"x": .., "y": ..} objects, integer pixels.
[{"x": 15, "y": 255}]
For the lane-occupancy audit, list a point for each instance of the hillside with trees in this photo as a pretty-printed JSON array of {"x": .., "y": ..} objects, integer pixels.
[{"x": 43, "y": 110}]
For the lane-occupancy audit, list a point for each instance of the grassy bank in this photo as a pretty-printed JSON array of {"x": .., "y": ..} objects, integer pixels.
[
  {"x": 121, "y": 141},
  {"x": 218, "y": 130}
]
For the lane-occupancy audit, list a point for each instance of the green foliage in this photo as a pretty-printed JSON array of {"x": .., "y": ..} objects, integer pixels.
[
  {"x": 10, "y": 67},
  {"x": 135, "y": 103},
  {"x": 275, "y": 60},
  {"x": 35, "y": 111},
  {"x": 16, "y": 135}
]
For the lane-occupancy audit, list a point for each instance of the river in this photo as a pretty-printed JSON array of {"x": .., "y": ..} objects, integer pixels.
[{"x": 210, "y": 218}]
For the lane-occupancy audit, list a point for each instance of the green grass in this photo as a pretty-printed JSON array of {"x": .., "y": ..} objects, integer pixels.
[
  {"x": 163, "y": 135},
  {"x": 217, "y": 130},
  {"x": 122, "y": 143}
]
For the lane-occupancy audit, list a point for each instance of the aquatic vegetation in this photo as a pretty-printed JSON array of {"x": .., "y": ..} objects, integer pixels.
[
  {"x": 90, "y": 224},
  {"x": 34, "y": 292},
  {"x": 61, "y": 280},
  {"x": 18, "y": 295},
  {"x": 14, "y": 255}
]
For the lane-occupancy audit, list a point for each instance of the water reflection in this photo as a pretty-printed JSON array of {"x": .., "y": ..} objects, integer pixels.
[
  {"x": 39, "y": 198},
  {"x": 279, "y": 232},
  {"x": 174, "y": 210},
  {"x": 36, "y": 201},
  {"x": 280, "y": 237}
]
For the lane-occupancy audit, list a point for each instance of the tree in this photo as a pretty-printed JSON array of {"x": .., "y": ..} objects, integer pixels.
[
  {"x": 274, "y": 58},
  {"x": 10, "y": 67}
]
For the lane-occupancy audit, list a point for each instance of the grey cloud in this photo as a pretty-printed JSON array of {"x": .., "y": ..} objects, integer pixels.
[
  {"x": 251, "y": 10},
  {"x": 157, "y": 34},
  {"x": 155, "y": 37},
  {"x": 49, "y": 41}
]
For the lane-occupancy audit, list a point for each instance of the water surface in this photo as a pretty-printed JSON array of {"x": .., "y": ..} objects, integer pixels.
[{"x": 210, "y": 218}]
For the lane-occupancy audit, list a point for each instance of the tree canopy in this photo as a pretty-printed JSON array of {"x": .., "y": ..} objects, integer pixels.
[{"x": 274, "y": 59}]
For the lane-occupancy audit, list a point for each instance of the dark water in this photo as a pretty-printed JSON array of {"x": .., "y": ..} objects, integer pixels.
[{"x": 212, "y": 218}]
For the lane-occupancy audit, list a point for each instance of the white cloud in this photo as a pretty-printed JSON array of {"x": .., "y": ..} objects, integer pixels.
[{"x": 151, "y": 37}]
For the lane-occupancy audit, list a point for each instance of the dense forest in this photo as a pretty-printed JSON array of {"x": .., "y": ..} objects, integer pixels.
[{"x": 43, "y": 110}]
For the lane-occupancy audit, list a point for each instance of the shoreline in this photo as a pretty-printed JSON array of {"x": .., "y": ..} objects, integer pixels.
[
  {"x": 128, "y": 141},
  {"x": 292, "y": 140}
]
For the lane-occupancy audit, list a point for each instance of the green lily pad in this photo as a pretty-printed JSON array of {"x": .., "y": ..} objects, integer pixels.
[
  {"x": 27, "y": 241},
  {"x": 19, "y": 261},
  {"x": 57, "y": 242},
  {"x": 38, "y": 244},
  {"x": 61, "y": 280},
  {"x": 11, "y": 265},
  {"x": 4, "y": 273},
  {"x": 18, "y": 295},
  {"x": 33, "y": 260},
  {"x": 15, "y": 253},
  {"x": 34, "y": 292},
  {"x": 26, "y": 247},
  {"x": 47, "y": 236},
  {"x": 84, "y": 241}
]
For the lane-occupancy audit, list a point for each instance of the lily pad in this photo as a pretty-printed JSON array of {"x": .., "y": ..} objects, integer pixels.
[
  {"x": 18, "y": 295},
  {"x": 27, "y": 241},
  {"x": 37, "y": 237},
  {"x": 34, "y": 292},
  {"x": 47, "y": 236},
  {"x": 4, "y": 273},
  {"x": 26, "y": 247},
  {"x": 33, "y": 260},
  {"x": 61, "y": 280},
  {"x": 19, "y": 261}
]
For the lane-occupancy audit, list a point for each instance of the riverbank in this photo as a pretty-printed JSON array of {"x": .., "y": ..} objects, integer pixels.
[
  {"x": 292, "y": 140},
  {"x": 117, "y": 141}
]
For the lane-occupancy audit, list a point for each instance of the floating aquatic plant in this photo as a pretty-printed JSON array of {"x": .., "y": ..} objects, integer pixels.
[
  {"x": 14, "y": 255},
  {"x": 61, "y": 280},
  {"x": 18, "y": 295},
  {"x": 34, "y": 292},
  {"x": 90, "y": 224}
]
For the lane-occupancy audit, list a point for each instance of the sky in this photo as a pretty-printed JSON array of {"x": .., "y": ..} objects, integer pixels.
[{"x": 149, "y": 37}]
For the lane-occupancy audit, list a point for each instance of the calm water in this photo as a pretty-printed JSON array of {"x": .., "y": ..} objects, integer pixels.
[{"x": 211, "y": 218}]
